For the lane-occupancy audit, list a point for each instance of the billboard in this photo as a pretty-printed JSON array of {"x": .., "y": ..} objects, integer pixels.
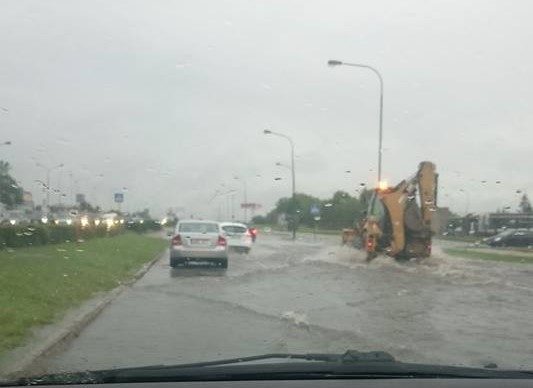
[{"x": 250, "y": 205}]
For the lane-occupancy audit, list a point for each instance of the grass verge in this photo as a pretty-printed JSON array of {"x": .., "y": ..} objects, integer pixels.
[
  {"x": 473, "y": 254},
  {"x": 40, "y": 283},
  {"x": 471, "y": 239}
]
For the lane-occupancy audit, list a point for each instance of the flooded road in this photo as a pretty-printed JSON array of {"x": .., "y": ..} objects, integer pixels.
[{"x": 315, "y": 296}]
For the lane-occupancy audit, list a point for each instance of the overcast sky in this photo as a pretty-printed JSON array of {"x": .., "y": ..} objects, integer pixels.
[{"x": 167, "y": 100}]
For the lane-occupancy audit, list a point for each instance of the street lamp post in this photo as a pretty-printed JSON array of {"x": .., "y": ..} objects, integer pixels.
[
  {"x": 269, "y": 132},
  {"x": 245, "y": 192},
  {"x": 467, "y": 200},
  {"x": 375, "y": 71},
  {"x": 232, "y": 198},
  {"x": 48, "y": 171},
  {"x": 228, "y": 197}
]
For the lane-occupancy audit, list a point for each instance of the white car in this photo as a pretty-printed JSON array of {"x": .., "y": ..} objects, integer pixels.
[
  {"x": 198, "y": 242},
  {"x": 238, "y": 236}
]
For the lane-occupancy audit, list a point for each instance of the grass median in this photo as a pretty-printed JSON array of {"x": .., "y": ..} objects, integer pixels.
[
  {"x": 480, "y": 255},
  {"x": 470, "y": 239},
  {"x": 41, "y": 283}
]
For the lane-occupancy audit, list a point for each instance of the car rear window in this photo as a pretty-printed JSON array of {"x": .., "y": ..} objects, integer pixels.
[
  {"x": 234, "y": 229},
  {"x": 198, "y": 227}
]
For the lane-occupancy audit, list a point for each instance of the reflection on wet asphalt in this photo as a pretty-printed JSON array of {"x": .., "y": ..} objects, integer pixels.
[{"x": 315, "y": 297}]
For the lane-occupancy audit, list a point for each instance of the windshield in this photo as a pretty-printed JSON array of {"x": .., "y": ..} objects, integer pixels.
[
  {"x": 195, "y": 180},
  {"x": 234, "y": 229}
]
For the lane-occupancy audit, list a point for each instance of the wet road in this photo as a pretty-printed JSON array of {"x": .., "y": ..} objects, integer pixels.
[{"x": 315, "y": 296}]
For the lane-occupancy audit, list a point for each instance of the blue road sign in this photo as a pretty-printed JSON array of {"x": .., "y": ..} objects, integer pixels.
[
  {"x": 315, "y": 210},
  {"x": 119, "y": 197}
]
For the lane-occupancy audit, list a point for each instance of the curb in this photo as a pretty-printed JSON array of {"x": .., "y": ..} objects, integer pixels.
[{"x": 26, "y": 363}]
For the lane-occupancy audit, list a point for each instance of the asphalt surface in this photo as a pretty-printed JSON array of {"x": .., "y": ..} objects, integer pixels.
[{"x": 315, "y": 296}]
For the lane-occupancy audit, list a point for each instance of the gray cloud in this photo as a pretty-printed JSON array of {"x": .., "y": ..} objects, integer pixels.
[{"x": 169, "y": 98}]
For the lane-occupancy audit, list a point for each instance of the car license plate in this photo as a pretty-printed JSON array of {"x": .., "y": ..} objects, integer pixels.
[{"x": 199, "y": 241}]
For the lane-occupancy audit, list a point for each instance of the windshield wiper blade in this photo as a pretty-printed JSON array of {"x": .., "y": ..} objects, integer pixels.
[
  {"x": 352, "y": 364},
  {"x": 101, "y": 376},
  {"x": 349, "y": 356},
  {"x": 112, "y": 375}
]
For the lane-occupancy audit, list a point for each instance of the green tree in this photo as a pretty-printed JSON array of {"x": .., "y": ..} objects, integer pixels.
[
  {"x": 145, "y": 214},
  {"x": 525, "y": 205},
  {"x": 300, "y": 207},
  {"x": 86, "y": 206},
  {"x": 258, "y": 220},
  {"x": 10, "y": 192},
  {"x": 341, "y": 211},
  {"x": 5, "y": 167}
]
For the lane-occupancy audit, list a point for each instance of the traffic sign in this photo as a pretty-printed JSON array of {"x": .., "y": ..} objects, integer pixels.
[
  {"x": 314, "y": 210},
  {"x": 119, "y": 197}
]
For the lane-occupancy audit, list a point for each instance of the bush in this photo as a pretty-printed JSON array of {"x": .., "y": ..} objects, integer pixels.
[
  {"x": 22, "y": 236},
  {"x": 146, "y": 226},
  {"x": 34, "y": 235}
]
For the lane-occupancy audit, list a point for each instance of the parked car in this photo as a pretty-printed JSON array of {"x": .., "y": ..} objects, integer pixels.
[
  {"x": 511, "y": 238},
  {"x": 198, "y": 243},
  {"x": 238, "y": 236}
]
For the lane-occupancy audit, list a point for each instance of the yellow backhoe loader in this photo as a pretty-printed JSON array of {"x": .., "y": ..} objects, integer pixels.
[{"x": 398, "y": 219}]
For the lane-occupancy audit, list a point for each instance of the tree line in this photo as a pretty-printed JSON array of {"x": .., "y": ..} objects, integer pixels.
[
  {"x": 10, "y": 191},
  {"x": 339, "y": 211}
]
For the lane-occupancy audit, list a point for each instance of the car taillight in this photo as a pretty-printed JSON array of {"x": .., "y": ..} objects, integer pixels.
[
  {"x": 253, "y": 231},
  {"x": 176, "y": 240},
  {"x": 370, "y": 243},
  {"x": 221, "y": 241}
]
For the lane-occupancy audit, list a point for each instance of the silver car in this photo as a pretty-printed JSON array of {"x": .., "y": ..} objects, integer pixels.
[
  {"x": 198, "y": 242},
  {"x": 238, "y": 236}
]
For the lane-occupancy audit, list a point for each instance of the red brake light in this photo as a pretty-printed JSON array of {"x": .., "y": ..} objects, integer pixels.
[
  {"x": 253, "y": 231},
  {"x": 221, "y": 241},
  {"x": 370, "y": 242},
  {"x": 176, "y": 240}
]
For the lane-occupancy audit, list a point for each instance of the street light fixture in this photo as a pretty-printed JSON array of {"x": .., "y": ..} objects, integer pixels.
[
  {"x": 333, "y": 63},
  {"x": 279, "y": 164},
  {"x": 269, "y": 132}
]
